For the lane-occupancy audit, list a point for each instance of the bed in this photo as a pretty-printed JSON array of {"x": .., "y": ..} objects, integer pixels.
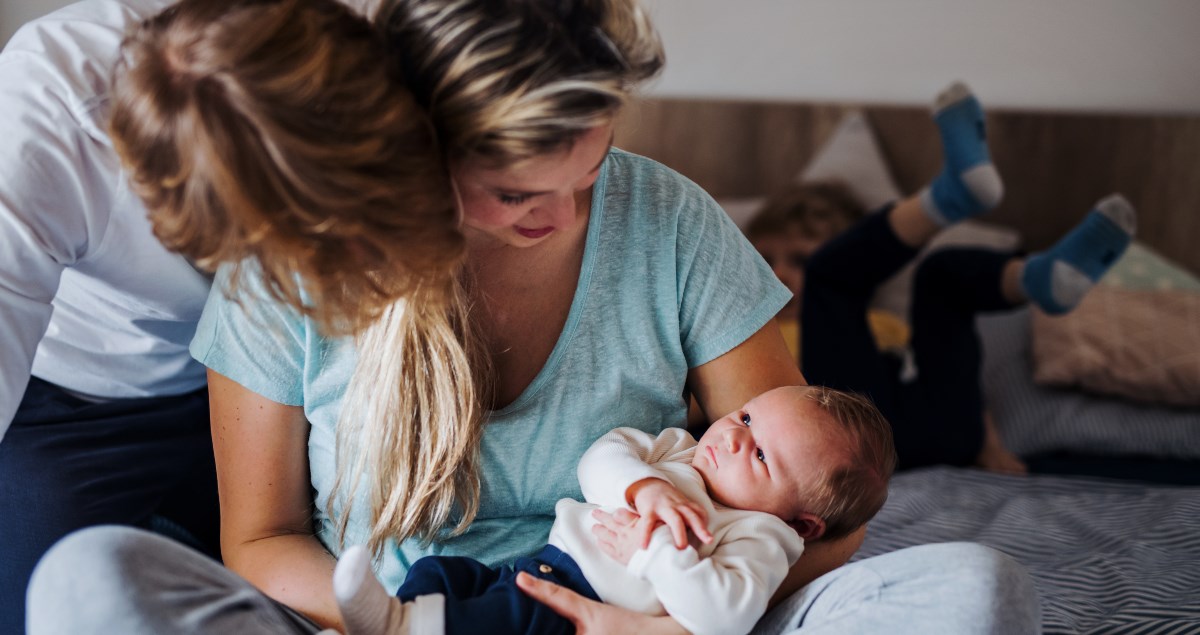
[{"x": 1109, "y": 525}]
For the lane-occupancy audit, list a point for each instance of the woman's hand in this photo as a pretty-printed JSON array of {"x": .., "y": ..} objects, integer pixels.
[
  {"x": 591, "y": 617},
  {"x": 657, "y": 501}
]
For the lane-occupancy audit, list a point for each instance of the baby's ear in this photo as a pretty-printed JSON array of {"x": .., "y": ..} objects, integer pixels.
[{"x": 810, "y": 526}]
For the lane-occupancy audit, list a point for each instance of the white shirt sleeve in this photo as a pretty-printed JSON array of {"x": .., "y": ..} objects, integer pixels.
[
  {"x": 55, "y": 187},
  {"x": 624, "y": 456},
  {"x": 726, "y": 592}
]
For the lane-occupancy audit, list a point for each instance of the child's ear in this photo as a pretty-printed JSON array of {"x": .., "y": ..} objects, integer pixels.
[{"x": 810, "y": 526}]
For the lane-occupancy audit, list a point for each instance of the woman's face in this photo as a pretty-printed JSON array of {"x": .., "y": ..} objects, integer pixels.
[{"x": 525, "y": 204}]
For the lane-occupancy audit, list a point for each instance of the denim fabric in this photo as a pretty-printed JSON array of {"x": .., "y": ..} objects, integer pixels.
[{"x": 480, "y": 599}]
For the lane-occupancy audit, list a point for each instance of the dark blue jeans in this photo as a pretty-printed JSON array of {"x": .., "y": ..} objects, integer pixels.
[
  {"x": 938, "y": 418},
  {"x": 480, "y": 599},
  {"x": 66, "y": 463}
]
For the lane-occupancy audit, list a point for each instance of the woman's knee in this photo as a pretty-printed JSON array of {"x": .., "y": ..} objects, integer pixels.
[
  {"x": 992, "y": 590},
  {"x": 86, "y": 577}
]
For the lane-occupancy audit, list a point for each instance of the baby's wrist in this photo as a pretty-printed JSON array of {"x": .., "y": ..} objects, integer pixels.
[{"x": 631, "y": 492}]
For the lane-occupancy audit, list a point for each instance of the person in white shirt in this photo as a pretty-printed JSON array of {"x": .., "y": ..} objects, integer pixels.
[
  {"x": 103, "y": 414},
  {"x": 796, "y": 464}
]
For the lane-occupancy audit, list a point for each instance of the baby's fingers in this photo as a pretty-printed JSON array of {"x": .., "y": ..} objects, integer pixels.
[
  {"x": 697, "y": 520},
  {"x": 645, "y": 528},
  {"x": 623, "y": 516},
  {"x": 678, "y": 526}
]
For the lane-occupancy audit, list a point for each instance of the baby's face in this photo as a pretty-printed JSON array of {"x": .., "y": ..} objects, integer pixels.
[{"x": 768, "y": 454}]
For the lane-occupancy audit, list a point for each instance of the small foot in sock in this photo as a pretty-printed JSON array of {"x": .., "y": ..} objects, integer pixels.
[
  {"x": 367, "y": 608},
  {"x": 968, "y": 184},
  {"x": 1057, "y": 279}
]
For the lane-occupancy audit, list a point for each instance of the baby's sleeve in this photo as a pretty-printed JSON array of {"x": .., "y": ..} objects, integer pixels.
[
  {"x": 624, "y": 456},
  {"x": 728, "y": 591}
]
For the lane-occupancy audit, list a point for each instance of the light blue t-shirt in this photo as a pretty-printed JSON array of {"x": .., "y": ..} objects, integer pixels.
[{"x": 667, "y": 283}]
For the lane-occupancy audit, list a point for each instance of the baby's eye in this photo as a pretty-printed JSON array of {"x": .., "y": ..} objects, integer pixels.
[
  {"x": 509, "y": 199},
  {"x": 761, "y": 457},
  {"x": 745, "y": 419}
]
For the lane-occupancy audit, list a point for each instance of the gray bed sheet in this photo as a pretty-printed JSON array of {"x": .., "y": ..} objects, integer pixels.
[{"x": 1107, "y": 556}]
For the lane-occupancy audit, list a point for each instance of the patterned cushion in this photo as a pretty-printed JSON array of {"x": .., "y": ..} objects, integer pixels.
[
  {"x": 1134, "y": 343},
  {"x": 1034, "y": 419}
]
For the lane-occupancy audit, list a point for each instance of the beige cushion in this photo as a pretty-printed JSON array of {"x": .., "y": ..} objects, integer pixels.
[{"x": 1135, "y": 343}]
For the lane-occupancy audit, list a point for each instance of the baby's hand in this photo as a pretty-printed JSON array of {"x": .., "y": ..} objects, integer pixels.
[
  {"x": 617, "y": 534},
  {"x": 658, "y": 501}
]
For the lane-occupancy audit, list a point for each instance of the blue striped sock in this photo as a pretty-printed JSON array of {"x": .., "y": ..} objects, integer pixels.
[
  {"x": 1057, "y": 279},
  {"x": 968, "y": 183}
]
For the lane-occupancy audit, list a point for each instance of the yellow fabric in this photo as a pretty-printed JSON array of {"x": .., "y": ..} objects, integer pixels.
[{"x": 891, "y": 333}]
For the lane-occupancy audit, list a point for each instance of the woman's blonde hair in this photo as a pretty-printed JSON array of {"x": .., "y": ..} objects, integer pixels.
[
  {"x": 503, "y": 81},
  {"x": 506, "y": 80},
  {"x": 276, "y": 130}
]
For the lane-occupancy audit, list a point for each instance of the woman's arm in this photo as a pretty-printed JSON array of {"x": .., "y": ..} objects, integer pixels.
[
  {"x": 261, "y": 452},
  {"x": 757, "y": 365}
]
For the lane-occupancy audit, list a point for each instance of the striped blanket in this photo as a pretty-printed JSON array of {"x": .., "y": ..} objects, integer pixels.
[{"x": 1107, "y": 556}]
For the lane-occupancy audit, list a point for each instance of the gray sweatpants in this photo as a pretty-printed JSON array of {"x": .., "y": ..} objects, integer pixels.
[{"x": 122, "y": 580}]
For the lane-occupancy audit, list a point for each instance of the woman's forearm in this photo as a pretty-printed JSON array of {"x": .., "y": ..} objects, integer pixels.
[{"x": 293, "y": 569}]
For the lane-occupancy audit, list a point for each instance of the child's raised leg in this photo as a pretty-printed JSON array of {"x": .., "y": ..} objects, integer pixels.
[
  {"x": 968, "y": 184},
  {"x": 1056, "y": 280}
]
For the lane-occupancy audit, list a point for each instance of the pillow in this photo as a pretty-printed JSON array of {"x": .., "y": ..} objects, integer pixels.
[
  {"x": 1143, "y": 268},
  {"x": 1134, "y": 343},
  {"x": 852, "y": 155},
  {"x": 1034, "y": 419}
]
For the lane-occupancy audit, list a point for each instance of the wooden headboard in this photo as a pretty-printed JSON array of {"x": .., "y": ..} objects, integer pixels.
[{"x": 1055, "y": 165}]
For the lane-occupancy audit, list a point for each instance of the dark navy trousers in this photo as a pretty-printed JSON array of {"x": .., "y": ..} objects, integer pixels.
[
  {"x": 66, "y": 463},
  {"x": 938, "y": 417},
  {"x": 480, "y": 599}
]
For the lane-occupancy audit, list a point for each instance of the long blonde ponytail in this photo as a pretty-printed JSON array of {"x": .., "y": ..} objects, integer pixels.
[{"x": 412, "y": 420}]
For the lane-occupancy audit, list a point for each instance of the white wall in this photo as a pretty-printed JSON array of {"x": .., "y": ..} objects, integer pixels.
[{"x": 1108, "y": 55}]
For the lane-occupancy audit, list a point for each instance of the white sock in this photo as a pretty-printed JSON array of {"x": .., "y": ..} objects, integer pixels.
[{"x": 368, "y": 609}]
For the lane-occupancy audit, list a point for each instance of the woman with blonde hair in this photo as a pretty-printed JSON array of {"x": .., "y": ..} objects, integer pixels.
[{"x": 599, "y": 289}]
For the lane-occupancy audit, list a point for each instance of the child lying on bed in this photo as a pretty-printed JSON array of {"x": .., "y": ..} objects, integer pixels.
[
  {"x": 817, "y": 244},
  {"x": 795, "y": 464}
]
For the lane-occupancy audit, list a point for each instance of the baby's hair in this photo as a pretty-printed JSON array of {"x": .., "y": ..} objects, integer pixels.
[
  {"x": 818, "y": 209},
  {"x": 853, "y": 493}
]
